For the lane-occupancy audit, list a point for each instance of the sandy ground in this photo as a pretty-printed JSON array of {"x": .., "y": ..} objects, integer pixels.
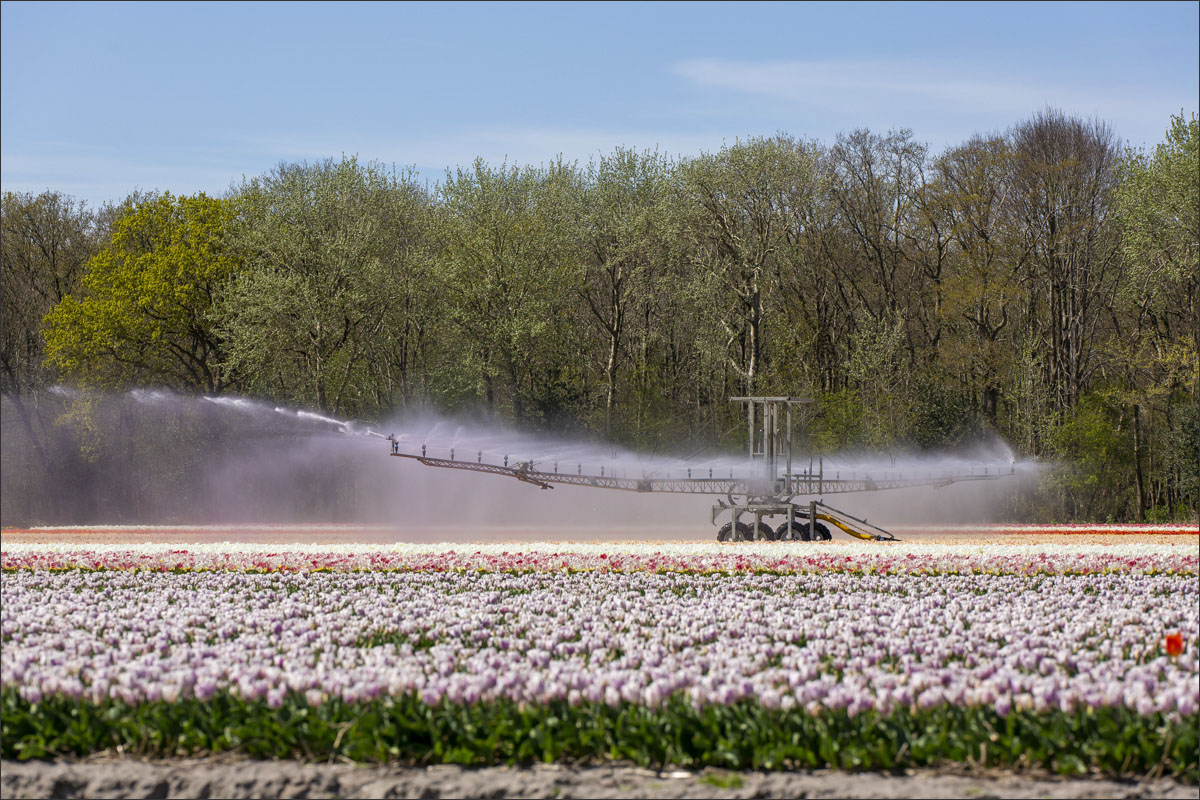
[{"x": 220, "y": 777}]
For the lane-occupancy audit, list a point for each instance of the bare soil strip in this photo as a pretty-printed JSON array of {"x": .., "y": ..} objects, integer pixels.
[{"x": 224, "y": 777}]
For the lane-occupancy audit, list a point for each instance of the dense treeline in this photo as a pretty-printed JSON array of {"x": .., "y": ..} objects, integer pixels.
[{"x": 1040, "y": 284}]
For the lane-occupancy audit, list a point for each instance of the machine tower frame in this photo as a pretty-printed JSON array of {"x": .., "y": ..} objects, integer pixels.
[{"x": 770, "y": 428}]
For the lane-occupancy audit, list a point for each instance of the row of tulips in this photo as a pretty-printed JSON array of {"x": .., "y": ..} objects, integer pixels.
[
  {"x": 1096, "y": 529},
  {"x": 833, "y": 640},
  {"x": 309, "y": 529},
  {"x": 692, "y": 557},
  {"x": 1101, "y": 665}
]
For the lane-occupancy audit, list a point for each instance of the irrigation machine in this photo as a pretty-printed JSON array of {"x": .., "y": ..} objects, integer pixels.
[{"x": 770, "y": 488}]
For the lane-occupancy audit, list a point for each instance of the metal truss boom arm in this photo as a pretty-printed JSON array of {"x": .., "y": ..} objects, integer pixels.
[{"x": 803, "y": 484}]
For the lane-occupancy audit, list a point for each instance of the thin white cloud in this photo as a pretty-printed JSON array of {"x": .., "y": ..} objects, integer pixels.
[{"x": 853, "y": 86}]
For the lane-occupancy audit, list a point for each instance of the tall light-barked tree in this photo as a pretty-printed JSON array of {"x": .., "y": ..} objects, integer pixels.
[
  {"x": 331, "y": 251},
  {"x": 1065, "y": 171},
  {"x": 739, "y": 215},
  {"x": 982, "y": 283},
  {"x": 873, "y": 186}
]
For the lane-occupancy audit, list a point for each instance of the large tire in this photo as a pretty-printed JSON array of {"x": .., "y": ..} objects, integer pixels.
[
  {"x": 798, "y": 532},
  {"x": 764, "y": 532},
  {"x": 729, "y": 532},
  {"x": 821, "y": 534}
]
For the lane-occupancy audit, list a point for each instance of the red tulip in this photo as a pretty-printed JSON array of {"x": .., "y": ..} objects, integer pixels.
[{"x": 1174, "y": 644}]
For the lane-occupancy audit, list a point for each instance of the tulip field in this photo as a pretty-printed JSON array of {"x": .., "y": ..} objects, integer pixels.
[{"x": 1072, "y": 657}]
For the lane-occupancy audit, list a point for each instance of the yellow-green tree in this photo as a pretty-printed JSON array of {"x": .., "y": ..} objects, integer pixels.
[{"x": 142, "y": 316}]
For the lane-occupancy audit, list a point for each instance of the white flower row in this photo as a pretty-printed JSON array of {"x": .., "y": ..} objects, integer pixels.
[
  {"x": 701, "y": 548},
  {"x": 315, "y": 528},
  {"x": 831, "y": 641},
  {"x": 1115, "y": 528}
]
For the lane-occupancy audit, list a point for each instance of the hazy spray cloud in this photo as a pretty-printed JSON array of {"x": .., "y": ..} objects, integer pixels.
[{"x": 153, "y": 457}]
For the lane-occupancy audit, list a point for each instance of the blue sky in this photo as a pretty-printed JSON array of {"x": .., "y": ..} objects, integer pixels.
[{"x": 98, "y": 99}]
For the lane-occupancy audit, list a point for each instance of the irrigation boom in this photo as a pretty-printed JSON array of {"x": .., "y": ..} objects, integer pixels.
[
  {"x": 769, "y": 493},
  {"x": 801, "y": 483}
]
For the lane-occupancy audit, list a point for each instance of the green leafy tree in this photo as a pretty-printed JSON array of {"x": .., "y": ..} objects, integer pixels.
[
  {"x": 325, "y": 310},
  {"x": 1159, "y": 205},
  {"x": 47, "y": 241},
  {"x": 623, "y": 242},
  {"x": 506, "y": 270},
  {"x": 1153, "y": 343},
  {"x": 840, "y": 422},
  {"x": 142, "y": 315},
  {"x": 877, "y": 368},
  {"x": 1095, "y": 453}
]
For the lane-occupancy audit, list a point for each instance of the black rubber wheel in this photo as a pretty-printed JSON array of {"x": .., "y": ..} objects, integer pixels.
[
  {"x": 731, "y": 533},
  {"x": 822, "y": 534},
  {"x": 764, "y": 533},
  {"x": 798, "y": 532}
]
